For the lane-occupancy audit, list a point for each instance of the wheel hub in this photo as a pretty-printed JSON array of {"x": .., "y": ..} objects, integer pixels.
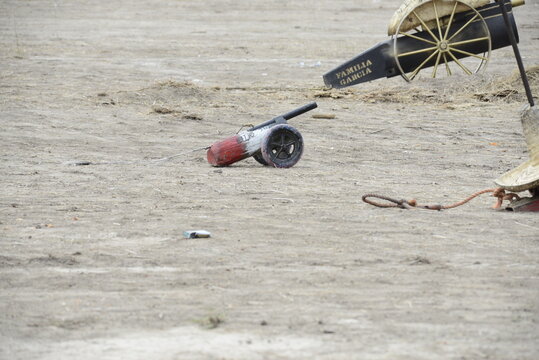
[{"x": 443, "y": 46}]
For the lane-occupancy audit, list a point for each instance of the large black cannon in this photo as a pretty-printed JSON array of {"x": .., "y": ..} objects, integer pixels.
[{"x": 448, "y": 36}]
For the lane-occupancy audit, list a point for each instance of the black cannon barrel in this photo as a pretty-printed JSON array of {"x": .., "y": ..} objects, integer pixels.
[
  {"x": 289, "y": 115},
  {"x": 300, "y": 110}
]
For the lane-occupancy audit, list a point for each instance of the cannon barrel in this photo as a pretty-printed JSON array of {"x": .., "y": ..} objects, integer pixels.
[{"x": 289, "y": 115}]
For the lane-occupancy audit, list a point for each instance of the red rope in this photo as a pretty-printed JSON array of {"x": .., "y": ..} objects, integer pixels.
[{"x": 498, "y": 193}]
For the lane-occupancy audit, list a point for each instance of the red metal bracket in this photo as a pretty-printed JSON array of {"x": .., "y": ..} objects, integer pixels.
[{"x": 524, "y": 204}]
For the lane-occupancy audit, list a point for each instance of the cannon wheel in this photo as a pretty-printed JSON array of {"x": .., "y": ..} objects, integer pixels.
[
  {"x": 440, "y": 45},
  {"x": 282, "y": 147},
  {"x": 258, "y": 157}
]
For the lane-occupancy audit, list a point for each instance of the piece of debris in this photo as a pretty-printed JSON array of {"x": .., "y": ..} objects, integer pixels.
[
  {"x": 161, "y": 110},
  {"x": 328, "y": 94},
  {"x": 323, "y": 116},
  {"x": 194, "y": 234},
  {"x": 500, "y": 94},
  {"x": 192, "y": 117},
  {"x": 212, "y": 322},
  {"x": 419, "y": 260},
  {"x": 109, "y": 102}
]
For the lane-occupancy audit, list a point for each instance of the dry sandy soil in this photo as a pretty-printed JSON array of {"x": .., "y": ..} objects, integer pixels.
[{"x": 93, "y": 263}]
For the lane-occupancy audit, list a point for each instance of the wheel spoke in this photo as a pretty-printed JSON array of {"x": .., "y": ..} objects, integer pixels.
[
  {"x": 436, "y": 64},
  {"x": 282, "y": 146},
  {"x": 437, "y": 19},
  {"x": 447, "y": 68},
  {"x": 464, "y": 68},
  {"x": 293, "y": 142},
  {"x": 418, "y": 51},
  {"x": 463, "y": 27},
  {"x": 469, "y": 41},
  {"x": 425, "y": 27},
  {"x": 417, "y": 37},
  {"x": 279, "y": 150},
  {"x": 468, "y": 53},
  {"x": 414, "y": 73},
  {"x": 450, "y": 20}
]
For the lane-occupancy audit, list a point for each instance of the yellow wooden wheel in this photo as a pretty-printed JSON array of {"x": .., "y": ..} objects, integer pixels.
[{"x": 449, "y": 36}]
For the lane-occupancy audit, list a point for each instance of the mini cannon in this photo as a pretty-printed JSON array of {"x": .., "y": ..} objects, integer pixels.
[
  {"x": 272, "y": 143},
  {"x": 448, "y": 36}
]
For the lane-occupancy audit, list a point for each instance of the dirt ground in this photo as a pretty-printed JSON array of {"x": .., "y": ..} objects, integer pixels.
[{"x": 93, "y": 263}]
